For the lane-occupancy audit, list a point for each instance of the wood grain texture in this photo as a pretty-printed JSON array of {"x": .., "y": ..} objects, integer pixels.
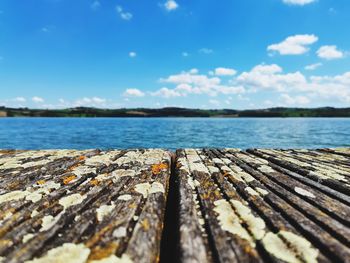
[
  {"x": 257, "y": 205},
  {"x": 264, "y": 205},
  {"x": 82, "y": 206}
]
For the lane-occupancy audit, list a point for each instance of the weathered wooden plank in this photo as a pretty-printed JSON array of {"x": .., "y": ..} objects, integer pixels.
[{"x": 84, "y": 206}]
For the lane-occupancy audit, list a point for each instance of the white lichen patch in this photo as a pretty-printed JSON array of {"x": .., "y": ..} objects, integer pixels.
[
  {"x": 114, "y": 259},
  {"x": 276, "y": 247},
  {"x": 304, "y": 192},
  {"x": 192, "y": 183},
  {"x": 213, "y": 169},
  {"x": 266, "y": 169},
  {"x": 255, "y": 224},
  {"x": 49, "y": 221},
  {"x": 123, "y": 173},
  {"x": 27, "y": 237},
  {"x": 298, "y": 249},
  {"x": 125, "y": 197},
  {"x": 70, "y": 200},
  {"x": 261, "y": 191},
  {"x": 143, "y": 189},
  {"x": 251, "y": 191},
  {"x": 120, "y": 232},
  {"x": 104, "y": 210},
  {"x": 67, "y": 253},
  {"x": 13, "y": 196},
  {"x": 157, "y": 188},
  {"x": 301, "y": 245},
  {"x": 229, "y": 221},
  {"x": 34, "y": 213},
  {"x": 83, "y": 170},
  {"x": 146, "y": 188}
]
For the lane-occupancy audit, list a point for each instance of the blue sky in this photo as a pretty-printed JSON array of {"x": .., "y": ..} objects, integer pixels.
[{"x": 202, "y": 53}]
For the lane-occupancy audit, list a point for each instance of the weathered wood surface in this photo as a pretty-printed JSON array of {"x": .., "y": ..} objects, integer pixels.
[
  {"x": 82, "y": 206},
  {"x": 224, "y": 205},
  {"x": 264, "y": 205}
]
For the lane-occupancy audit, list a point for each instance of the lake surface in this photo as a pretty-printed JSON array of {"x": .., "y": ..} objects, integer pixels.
[{"x": 172, "y": 133}]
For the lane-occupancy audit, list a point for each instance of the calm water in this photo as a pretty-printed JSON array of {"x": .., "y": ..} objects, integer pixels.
[{"x": 171, "y": 133}]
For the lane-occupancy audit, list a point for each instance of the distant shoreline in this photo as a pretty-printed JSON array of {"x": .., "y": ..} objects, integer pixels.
[{"x": 278, "y": 112}]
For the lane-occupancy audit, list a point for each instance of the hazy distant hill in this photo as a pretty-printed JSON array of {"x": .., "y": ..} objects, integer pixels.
[{"x": 175, "y": 112}]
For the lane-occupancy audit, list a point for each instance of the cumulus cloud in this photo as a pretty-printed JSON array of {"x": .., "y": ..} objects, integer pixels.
[
  {"x": 171, "y": 5},
  {"x": 20, "y": 99},
  {"x": 313, "y": 66},
  {"x": 191, "y": 82},
  {"x": 89, "y": 102},
  {"x": 225, "y": 72},
  {"x": 329, "y": 52},
  {"x": 295, "y": 101},
  {"x": 294, "y": 45},
  {"x": 166, "y": 93},
  {"x": 270, "y": 77},
  {"x": 123, "y": 15},
  {"x": 133, "y": 93},
  {"x": 298, "y": 2},
  {"x": 37, "y": 99},
  {"x": 132, "y": 54}
]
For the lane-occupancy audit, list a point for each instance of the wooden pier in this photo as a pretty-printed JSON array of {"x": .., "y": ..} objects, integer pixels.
[{"x": 195, "y": 205}]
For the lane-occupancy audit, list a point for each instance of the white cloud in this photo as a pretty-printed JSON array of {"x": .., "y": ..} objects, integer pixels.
[
  {"x": 37, "y": 99},
  {"x": 95, "y": 5},
  {"x": 270, "y": 77},
  {"x": 298, "y": 2},
  {"x": 132, "y": 54},
  {"x": 123, "y": 15},
  {"x": 330, "y": 52},
  {"x": 133, "y": 93},
  {"x": 214, "y": 102},
  {"x": 294, "y": 45},
  {"x": 166, "y": 93},
  {"x": 295, "y": 101},
  {"x": 225, "y": 72},
  {"x": 87, "y": 102},
  {"x": 171, "y": 5},
  {"x": 205, "y": 51},
  {"x": 20, "y": 99},
  {"x": 313, "y": 66}
]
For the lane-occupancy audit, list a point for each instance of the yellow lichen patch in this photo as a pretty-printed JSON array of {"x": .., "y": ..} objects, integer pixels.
[
  {"x": 298, "y": 249},
  {"x": 69, "y": 178},
  {"x": 157, "y": 168},
  {"x": 94, "y": 182},
  {"x": 40, "y": 182},
  {"x": 101, "y": 253},
  {"x": 145, "y": 224},
  {"x": 229, "y": 221},
  {"x": 81, "y": 158},
  {"x": 67, "y": 253}
]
